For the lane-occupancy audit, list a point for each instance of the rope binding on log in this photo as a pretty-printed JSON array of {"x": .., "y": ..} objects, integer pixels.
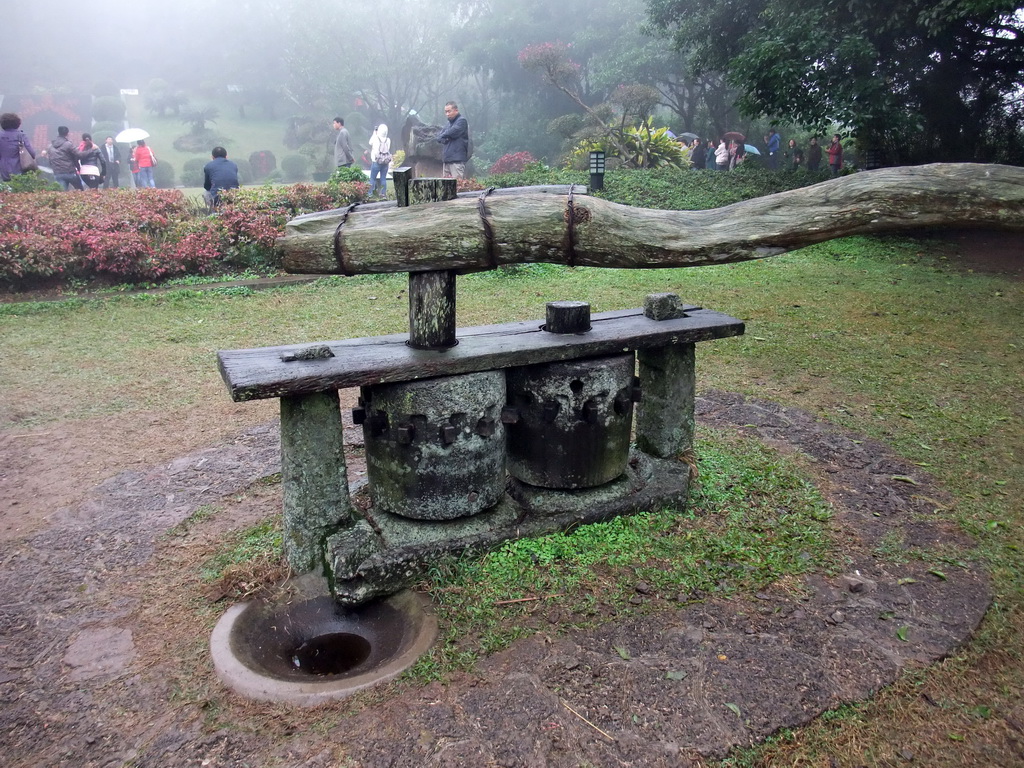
[
  {"x": 481, "y": 206},
  {"x": 570, "y": 220},
  {"x": 339, "y": 250}
]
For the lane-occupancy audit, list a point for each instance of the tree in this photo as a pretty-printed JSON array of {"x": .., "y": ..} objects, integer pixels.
[
  {"x": 918, "y": 80},
  {"x": 370, "y": 65},
  {"x": 161, "y": 98},
  {"x": 611, "y": 123},
  {"x": 198, "y": 116}
]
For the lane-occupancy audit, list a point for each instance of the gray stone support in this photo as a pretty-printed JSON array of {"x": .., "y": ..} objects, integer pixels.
[
  {"x": 665, "y": 418},
  {"x": 315, "y": 483}
]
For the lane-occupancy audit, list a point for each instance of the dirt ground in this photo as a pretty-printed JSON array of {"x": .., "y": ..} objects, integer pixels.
[{"x": 104, "y": 624}]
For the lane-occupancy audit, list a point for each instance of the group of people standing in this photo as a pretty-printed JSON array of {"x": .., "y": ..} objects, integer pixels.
[
  {"x": 455, "y": 153},
  {"x": 726, "y": 153},
  {"x": 86, "y": 165},
  {"x": 380, "y": 155}
]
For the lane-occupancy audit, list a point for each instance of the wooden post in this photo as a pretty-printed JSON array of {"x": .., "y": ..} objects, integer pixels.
[
  {"x": 665, "y": 415},
  {"x": 432, "y": 294},
  {"x": 400, "y": 178},
  {"x": 432, "y": 309},
  {"x": 432, "y": 190},
  {"x": 313, "y": 477},
  {"x": 567, "y": 317}
]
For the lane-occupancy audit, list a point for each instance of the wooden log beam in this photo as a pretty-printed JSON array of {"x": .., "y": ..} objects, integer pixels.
[{"x": 465, "y": 234}]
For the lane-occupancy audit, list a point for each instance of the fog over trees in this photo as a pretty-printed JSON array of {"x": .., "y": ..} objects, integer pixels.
[
  {"x": 378, "y": 62},
  {"x": 275, "y": 59}
]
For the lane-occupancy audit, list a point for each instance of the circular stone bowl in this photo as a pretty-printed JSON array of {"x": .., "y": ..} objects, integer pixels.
[{"x": 311, "y": 651}]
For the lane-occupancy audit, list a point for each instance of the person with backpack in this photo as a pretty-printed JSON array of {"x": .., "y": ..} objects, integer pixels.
[{"x": 380, "y": 159}]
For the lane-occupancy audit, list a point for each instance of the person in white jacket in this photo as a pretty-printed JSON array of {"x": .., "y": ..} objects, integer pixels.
[
  {"x": 380, "y": 159},
  {"x": 722, "y": 155}
]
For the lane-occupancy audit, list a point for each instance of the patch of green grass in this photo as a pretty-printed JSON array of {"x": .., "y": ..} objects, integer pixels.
[
  {"x": 201, "y": 514},
  {"x": 243, "y": 136},
  {"x": 753, "y": 519},
  {"x": 258, "y": 543}
]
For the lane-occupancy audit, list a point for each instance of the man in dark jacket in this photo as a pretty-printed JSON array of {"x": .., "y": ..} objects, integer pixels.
[
  {"x": 220, "y": 173},
  {"x": 814, "y": 155},
  {"x": 112, "y": 157},
  {"x": 63, "y": 159},
  {"x": 456, "y": 142}
]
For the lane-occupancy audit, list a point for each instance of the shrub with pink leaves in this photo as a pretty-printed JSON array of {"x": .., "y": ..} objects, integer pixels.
[
  {"x": 150, "y": 234},
  {"x": 124, "y": 234},
  {"x": 514, "y": 162},
  {"x": 551, "y": 60}
]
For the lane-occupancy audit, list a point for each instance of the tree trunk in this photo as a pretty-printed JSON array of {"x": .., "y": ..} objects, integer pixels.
[{"x": 464, "y": 234}]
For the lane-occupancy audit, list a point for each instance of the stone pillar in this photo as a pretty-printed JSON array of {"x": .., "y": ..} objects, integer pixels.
[
  {"x": 665, "y": 416},
  {"x": 314, "y": 480}
]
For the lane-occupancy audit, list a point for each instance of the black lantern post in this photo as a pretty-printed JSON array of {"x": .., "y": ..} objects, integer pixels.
[{"x": 596, "y": 171}]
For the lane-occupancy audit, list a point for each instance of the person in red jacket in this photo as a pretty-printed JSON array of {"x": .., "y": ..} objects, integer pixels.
[
  {"x": 145, "y": 159},
  {"x": 835, "y": 155}
]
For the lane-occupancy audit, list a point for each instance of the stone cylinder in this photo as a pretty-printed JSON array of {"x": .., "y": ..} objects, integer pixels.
[
  {"x": 435, "y": 449},
  {"x": 569, "y": 423}
]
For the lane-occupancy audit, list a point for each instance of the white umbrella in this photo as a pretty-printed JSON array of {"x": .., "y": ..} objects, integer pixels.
[{"x": 131, "y": 134}]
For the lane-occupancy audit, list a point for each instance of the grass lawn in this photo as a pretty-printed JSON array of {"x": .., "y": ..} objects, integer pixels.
[
  {"x": 243, "y": 135},
  {"x": 881, "y": 336}
]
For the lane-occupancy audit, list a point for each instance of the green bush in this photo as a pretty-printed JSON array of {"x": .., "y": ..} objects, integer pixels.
[
  {"x": 254, "y": 217},
  {"x": 294, "y": 168},
  {"x": 200, "y": 142},
  {"x": 347, "y": 174},
  {"x": 163, "y": 175},
  {"x": 192, "y": 171},
  {"x": 101, "y": 130},
  {"x": 647, "y": 149},
  {"x": 108, "y": 109},
  {"x": 33, "y": 181},
  {"x": 669, "y": 188},
  {"x": 534, "y": 174}
]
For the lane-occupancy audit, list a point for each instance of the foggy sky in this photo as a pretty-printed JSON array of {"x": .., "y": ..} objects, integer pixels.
[{"x": 129, "y": 43}]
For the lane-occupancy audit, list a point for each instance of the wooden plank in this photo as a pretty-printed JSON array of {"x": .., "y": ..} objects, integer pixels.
[{"x": 252, "y": 374}]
